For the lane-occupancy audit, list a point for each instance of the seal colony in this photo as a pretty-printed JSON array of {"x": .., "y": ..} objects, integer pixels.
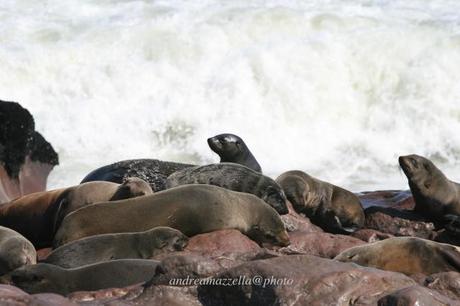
[{"x": 109, "y": 231}]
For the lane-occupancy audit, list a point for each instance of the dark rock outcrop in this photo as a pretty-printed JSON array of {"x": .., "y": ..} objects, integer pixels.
[{"x": 26, "y": 158}]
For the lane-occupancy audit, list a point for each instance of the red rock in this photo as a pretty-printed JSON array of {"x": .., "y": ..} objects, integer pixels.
[
  {"x": 416, "y": 296},
  {"x": 168, "y": 295},
  {"x": 398, "y": 222},
  {"x": 221, "y": 243},
  {"x": 107, "y": 295},
  {"x": 42, "y": 254},
  {"x": 370, "y": 235},
  {"x": 319, "y": 244},
  {"x": 301, "y": 280},
  {"x": 447, "y": 283},
  {"x": 296, "y": 222}
]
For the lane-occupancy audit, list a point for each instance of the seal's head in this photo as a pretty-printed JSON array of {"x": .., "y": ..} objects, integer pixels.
[
  {"x": 274, "y": 196},
  {"x": 168, "y": 239},
  {"x": 39, "y": 278},
  {"x": 269, "y": 230},
  {"x": 16, "y": 253},
  {"x": 420, "y": 172},
  {"x": 132, "y": 187},
  {"x": 228, "y": 146}
]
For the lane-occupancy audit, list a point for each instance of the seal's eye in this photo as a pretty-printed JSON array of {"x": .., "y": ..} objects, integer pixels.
[{"x": 414, "y": 162}]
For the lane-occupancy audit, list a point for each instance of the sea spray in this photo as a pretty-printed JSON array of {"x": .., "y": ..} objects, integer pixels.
[{"x": 337, "y": 89}]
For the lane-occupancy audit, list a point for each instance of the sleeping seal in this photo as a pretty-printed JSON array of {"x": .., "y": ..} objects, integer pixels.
[
  {"x": 192, "y": 209},
  {"x": 15, "y": 251},
  {"x": 37, "y": 215},
  {"x": 44, "y": 277},
  {"x": 140, "y": 245},
  {"x": 234, "y": 177}
]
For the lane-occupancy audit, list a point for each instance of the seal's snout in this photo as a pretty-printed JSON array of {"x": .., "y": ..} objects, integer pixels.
[
  {"x": 214, "y": 143},
  {"x": 283, "y": 239},
  {"x": 180, "y": 244}
]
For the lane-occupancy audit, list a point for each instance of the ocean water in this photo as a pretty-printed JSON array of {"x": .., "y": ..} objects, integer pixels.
[{"x": 336, "y": 88}]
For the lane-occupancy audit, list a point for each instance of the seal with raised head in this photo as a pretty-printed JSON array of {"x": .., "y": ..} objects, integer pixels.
[
  {"x": 331, "y": 207},
  {"x": 192, "y": 209},
  {"x": 233, "y": 177},
  {"x": 44, "y": 277},
  {"x": 434, "y": 194},
  {"x": 37, "y": 215},
  {"x": 139, "y": 245},
  {"x": 408, "y": 255},
  {"x": 15, "y": 251},
  {"x": 232, "y": 149},
  {"x": 156, "y": 171}
]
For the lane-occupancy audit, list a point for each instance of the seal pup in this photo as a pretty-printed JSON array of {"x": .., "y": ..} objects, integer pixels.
[
  {"x": 140, "y": 245},
  {"x": 192, "y": 209},
  {"x": 37, "y": 216},
  {"x": 408, "y": 255},
  {"x": 232, "y": 149},
  {"x": 332, "y": 208},
  {"x": 15, "y": 251},
  {"x": 434, "y": 194},
  {"x": 44, "y": 277},
  {"x": 233, "y": 177}
]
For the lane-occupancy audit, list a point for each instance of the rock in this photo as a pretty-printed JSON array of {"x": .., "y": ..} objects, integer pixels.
[
  {"x": 105, "y": 296},
  {"x": 300, "y": 280},
  {"x": 370, "y": 235},
  {"x": 296, "y": 222},
  {"x": 446, "y": 283},
  {"x": 416, "y": 296},
  {"x": 222, "y": 243},
  {"x": 168, "y": 295},
  {"x": 10, "y": 295},
  {"x": 185, "y": 268},
  {"x": 398, "y": 222},
  {"x": 319, "y": 244},
  {"x": 399, "y": 199},
  {"x": 26, "y": 158}
]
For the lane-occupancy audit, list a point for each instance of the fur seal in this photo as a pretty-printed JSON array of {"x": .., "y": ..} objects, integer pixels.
[
  {"x": 15, "y": 251},
  {"x": 232, "y": 149},
  {"x": 434, "y": 194},
  {"x": 37, "y": 215},
  {"x": 44, "y": 277},
  {"x": 192, "y": 209},
  {"x": 408, "y": 255},
  {"x": 234, "y": 177},
  {"x": 156, "y": 171},
  {"x": 141, "y": 245},
  {"x": 332, "y": 208}
]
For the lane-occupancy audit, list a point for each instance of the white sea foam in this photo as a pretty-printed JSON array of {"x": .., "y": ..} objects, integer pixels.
[{"x": 336, "y": 88}]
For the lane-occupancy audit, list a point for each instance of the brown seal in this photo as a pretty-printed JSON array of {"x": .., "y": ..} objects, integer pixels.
[
  {"x": 434, "y": 194},
  {"x": 192, "y": 209},
  {"x": 331, "y": 207},
  {"x": 36, "y": 215},
  {"x": 44, "y": 277},
  {"x": 15, "y": 251},
  {"x": 408, "y": 255},
  {"x": 235, "y": 177},
  {"x": 141, "y": 245}
]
